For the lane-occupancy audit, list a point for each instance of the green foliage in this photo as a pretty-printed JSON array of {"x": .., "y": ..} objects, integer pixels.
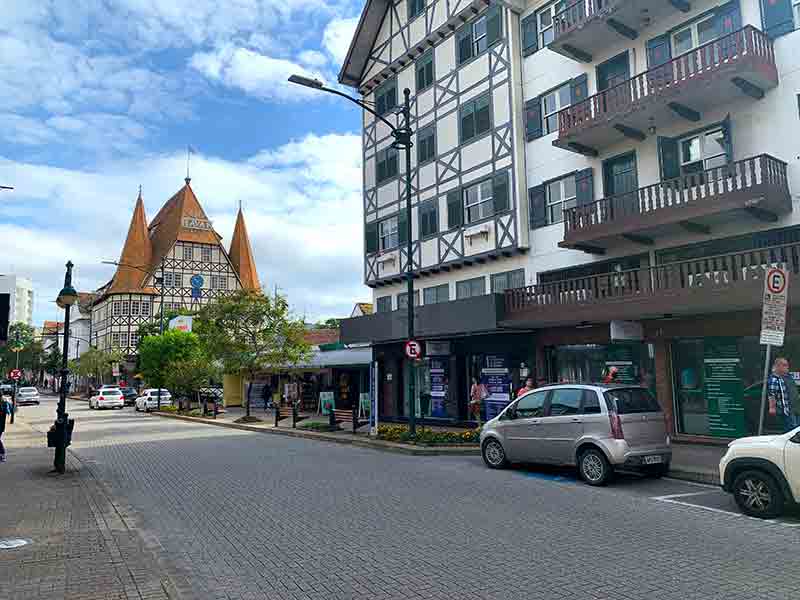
[
  {"x": 153, "y": 327},
  {"x": 187, "y": 375},
  {"x": 20, "y": 335},
  {"x": 158, "y": 354},
  {"x": 400, "y": 433},
  {"x": 97, "y": 363},
  {"x": 328, "y": 324},
  {"x": 314, "y": 425},
  {"x": 52, "y": 360}
]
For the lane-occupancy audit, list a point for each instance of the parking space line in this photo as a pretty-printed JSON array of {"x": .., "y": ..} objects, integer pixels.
[
  {"x": 693, "y": 483},
  {"x": 671, "y": 500},
  {"x": 681, "y": 495}
]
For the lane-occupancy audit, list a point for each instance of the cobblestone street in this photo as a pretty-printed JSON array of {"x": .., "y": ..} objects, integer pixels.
[{"x": 227, "y": 514}]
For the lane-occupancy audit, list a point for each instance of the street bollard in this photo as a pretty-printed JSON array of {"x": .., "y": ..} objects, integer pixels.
[
  {"x": 277, "y": 414},
  {"x": 294, "y": 415},
  {"x": 331, "y": 420},
  {"x": 355, "y": 417}
]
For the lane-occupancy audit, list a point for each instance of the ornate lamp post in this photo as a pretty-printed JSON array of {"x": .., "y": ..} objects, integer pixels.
[{"x": 60, "y": 434}]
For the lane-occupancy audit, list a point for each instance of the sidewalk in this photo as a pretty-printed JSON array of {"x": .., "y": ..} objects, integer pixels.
[{"x": 80, "y": 547}]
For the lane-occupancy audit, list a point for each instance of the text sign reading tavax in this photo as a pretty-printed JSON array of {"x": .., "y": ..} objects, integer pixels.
[{"x": 773, "y": 313}]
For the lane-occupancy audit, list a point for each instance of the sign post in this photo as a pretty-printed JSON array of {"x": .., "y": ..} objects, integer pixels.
[{"x": 773, "y": 324}]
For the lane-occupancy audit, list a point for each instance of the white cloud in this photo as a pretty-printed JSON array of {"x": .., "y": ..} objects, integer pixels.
[
  {"x": 337, "y": 36},
  {"x": 312, "y": 59}
]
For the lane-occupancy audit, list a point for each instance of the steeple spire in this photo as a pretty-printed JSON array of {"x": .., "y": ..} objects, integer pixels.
[
  {"x": 241, "y": 255},
  {"x": 137, "y": 251}
]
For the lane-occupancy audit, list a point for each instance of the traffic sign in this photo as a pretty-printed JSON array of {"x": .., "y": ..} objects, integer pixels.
[
  {"x": 773, "y": 314},
  {"x": 413, "y": 349},
  {"x": 15, "y": 374}
]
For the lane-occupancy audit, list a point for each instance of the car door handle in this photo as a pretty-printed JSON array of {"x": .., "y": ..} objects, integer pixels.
[{"x": 577, "y": 420}]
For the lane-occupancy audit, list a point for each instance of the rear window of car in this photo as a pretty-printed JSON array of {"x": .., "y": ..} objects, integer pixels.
[
  {"x": 27, "y": 390},
  {"x": 628, "y": 401},
  {"x": 112, "y": 393}
]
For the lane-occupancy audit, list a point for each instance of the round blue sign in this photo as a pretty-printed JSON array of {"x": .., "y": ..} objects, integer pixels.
[{"x": 196, "y": 281}]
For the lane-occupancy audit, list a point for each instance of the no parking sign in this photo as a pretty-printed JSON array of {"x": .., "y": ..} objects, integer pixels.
[{"x": 773, "y": 315}]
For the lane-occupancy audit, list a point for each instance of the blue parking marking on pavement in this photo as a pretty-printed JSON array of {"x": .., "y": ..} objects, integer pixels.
[{"x": 546, "y": 476}]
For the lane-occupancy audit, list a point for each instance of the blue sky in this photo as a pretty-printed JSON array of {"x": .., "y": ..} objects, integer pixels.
[{"x": 98, "y": 97}]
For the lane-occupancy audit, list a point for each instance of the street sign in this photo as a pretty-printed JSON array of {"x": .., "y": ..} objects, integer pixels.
[
  {"x": 773, "y": 315},
  {"x": 181, "y": 323},
  {"x": 413, "y": 349},
  {"x": 15, "y": 374}
]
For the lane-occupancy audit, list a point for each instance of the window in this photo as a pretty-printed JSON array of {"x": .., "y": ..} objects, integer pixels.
[
  {"x": 544, "y": 22},
  {"x": 123, "y": 340},
  {"x": 402, "y": 300},
  {"x": 428, "y": 218},
  {"x": 508, "y": 281},
  {"x": 415, "y": 7},
  {"x": 219, "y": 282},
  {"x": 386, "y": 97},
  {"x": 694, "y": 35},
  {"x": 135, "y": 304},
  {"x": 475, "y": 118},
  {"x": 474, "y": 38},
  {"x": 529, "y": 42},
  {"x": 145, "y": 308},
  {"x": 116, "y": 309},
  {"x": 704, "y": 151},
  {"x": 134, "y": 339},
  {"x": 552, "y": 103},
  {"x": 115, "y": 339},
  {"x": 126, "y": 307},
  {"x": 591, "y": 405},
  {"x": 436, "y": 294},
  {"x": 172, "y": 279},
  {"x": 387, "y": 232},
  {"x": 470, "y": 288},
  {"x": 565, "y": 402},
  {"x": 560, "y": 195},
  {"x": 205, "y": 253},
  {"x": 630, "y": 401},
  {"x": 426, "y": 144},
  {"x": 796, "y": 11},
  {"x": 386, "y": 164},
  {"x": 383, "y": 304},
  {"x": 530, "y": 406},
  {"x": 478, "y": 201},
  {"x": 188, "y": 253},
  {"x": 424, "y": 67}
]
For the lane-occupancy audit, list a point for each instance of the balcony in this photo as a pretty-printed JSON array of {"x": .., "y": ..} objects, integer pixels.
[
  {"x": 756, "y": 187},
  {"x": 727, "y": 282},
  {"x": 742, "y": 62},
  {"x": 587, "y": 27}
]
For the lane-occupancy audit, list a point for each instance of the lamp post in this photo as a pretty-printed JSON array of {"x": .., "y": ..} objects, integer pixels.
[
  {"x": 402, "y": 141},
  {"x": 16, "y": 350},
  {"x": 62, "y": 428}
]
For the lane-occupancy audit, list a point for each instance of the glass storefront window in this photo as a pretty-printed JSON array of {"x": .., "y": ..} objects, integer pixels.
[{"x": 591, "y": 363}]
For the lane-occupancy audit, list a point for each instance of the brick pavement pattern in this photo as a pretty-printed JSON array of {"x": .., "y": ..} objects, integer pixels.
[{"x": 237, "y": 515}]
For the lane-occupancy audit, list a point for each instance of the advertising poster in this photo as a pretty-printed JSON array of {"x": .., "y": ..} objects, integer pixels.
[
  {"x": 723, "y": 388},
  {"x": 438, "y": 370},
  {"x": 497, "y": 379},
  {"x": 327, "y": 402},
  {"x": 621, "y": 357}
]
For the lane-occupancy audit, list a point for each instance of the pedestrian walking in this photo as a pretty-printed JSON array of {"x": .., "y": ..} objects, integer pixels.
[
  {"x": 529, "y": 386},
  {"x": 477, "y": 394},
  {"x": 5, "y": 411},
  {"x": 784, "y": 399},
  {"x": 266, "y": 394}
]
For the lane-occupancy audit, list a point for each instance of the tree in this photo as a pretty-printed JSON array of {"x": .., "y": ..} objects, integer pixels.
[
  {"x": 186, "y": 376},
  {"x": 159, "y": 353},
  {"x": 251, "y": 333},
  {"x": 328, "y": 324},
  {"x": 97, "y": 363}
]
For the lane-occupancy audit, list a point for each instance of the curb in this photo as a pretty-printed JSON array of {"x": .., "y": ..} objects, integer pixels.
[
  {"x": 335, "y": 438},
  {"x": 706, "y": 477}
]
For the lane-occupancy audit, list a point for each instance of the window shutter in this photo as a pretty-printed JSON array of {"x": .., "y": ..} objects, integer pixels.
[
  {"x": 464, "y": 44},
  {"x": 530, "y": 35},
  {"x": 533, "y": 119},
  {"x": 500, "y": 192},
  {"x": 494, "y": 25},
  {"x": 579, "y": 89},
  {"x": 584, "y": 187},
  {"x": 668, "y": 159},
  {"x": 658, "y": 51},
  {"x": 538, "y": 206},
  {"x": 455, "y": 212},
  {"x": 371, "y": 237},
  {"x": 402, "y": 228},
  {"x": 777, "y": 17},
  {"x": 728, "y": 137}
]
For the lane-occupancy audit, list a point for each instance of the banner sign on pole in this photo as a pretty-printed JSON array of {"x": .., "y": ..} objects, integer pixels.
[
  {"x": 374, "y": 385},
  {"x": 773, "y": 315}
]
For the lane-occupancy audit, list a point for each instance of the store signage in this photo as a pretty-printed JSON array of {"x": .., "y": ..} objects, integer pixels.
[
  {"x": 181, "y": 323},
  {"x": 723, "y": 388},
  {"x": 773, "y": 313},
  {"x": 497, "y": 379},
  {"x": 413, "y": 349},
  {"x": 195, "y": 223},
  {"x": 627, "y": 330},
  {"x": 437, "y": 348},
  {"x": 15, "y": 374},
  {"x": 327, "y": 403}
]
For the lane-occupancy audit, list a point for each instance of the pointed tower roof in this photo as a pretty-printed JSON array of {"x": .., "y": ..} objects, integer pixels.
[
  {"x": 241, "y": 255},
  {"x": 137, "y": 251}
]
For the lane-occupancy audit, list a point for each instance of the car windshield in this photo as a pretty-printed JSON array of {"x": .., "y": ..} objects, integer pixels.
[
  {"x": 626, "y": 401},
  {"x": 112, "y": 393}
]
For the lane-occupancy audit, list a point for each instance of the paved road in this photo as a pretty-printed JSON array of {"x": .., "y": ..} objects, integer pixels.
[{"x": 241, "y": 515}]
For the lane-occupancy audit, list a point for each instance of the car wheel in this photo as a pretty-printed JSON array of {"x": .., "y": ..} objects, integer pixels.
[
  {"x": 657, "y": 471},
  {"x": 493, "y": 454},
  {"x": 758, "y": 495},
  {"x": 594, "y": 467}
]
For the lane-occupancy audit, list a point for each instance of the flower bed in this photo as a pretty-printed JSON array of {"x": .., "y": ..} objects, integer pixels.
[{"x": 400, "y": 433}]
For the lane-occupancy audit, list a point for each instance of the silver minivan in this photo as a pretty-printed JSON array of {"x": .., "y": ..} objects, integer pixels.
[{"x": 598, "y": 428}]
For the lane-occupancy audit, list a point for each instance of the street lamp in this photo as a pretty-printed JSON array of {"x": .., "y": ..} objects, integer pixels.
[
  {"x": 62, "y": 429},
  {"x": 16, "y": 350},
  {"x": 402, "y": 141}
]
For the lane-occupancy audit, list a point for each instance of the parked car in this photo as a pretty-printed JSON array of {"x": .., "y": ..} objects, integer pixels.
[
  {"x": 107, "y": 398},
  {"x": 129, "y": 395},
  {"x": 149, "y": 399},
  {"x": 598, "y": 428},
  {"x": 27, "y": 395},
  {"x": 763, "y": 473}
]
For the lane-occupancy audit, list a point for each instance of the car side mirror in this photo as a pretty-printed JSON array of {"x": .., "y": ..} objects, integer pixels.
[{"x": 795, "y": 438}]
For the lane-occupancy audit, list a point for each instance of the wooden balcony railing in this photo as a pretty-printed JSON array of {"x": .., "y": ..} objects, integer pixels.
[
  {"x": 675, "y": 195},
  {"x": 666, "y": 78},
  {"x": 725, "y": 272},
  {"x": 576, "y": 13}
]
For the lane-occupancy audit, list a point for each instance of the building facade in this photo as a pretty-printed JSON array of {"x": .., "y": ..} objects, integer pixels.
[
  {"x": 179, "y": 250},
  {"x": 20, "y": 291},
  {"x": 622, "y": 171}
]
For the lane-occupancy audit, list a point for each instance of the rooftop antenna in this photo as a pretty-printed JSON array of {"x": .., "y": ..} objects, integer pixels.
[
  {"x": 189, "y": 151},
  {"x": 140, "y": 190}
]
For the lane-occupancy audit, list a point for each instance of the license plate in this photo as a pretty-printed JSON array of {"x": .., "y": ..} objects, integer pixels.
[{"x": 653, "y": 460}]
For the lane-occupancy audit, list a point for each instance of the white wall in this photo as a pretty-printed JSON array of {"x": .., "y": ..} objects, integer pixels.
[{"x": 21, "y": 298}]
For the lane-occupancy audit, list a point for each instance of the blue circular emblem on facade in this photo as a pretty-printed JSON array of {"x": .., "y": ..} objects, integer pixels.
[{"x": 196, "y": 281}]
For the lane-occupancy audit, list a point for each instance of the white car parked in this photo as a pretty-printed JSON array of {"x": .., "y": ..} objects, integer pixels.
[
  {"x": 27, "y": 395},
  {"x": 107, "y": 398},
  {"x": 763, "y": 473},
  {"x": 149, "y": 399}
]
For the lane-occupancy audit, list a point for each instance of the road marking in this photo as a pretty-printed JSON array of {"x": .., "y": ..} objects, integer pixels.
[
  {"x": 671, "y": 499},
  {"x": 682, "y": 495},
  {"x": 693, "y": 483}
]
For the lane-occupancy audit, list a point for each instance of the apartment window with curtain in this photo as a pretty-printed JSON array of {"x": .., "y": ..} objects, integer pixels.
[
  {"x": 475, "y": 118},
  {"x": 508, "y": 281},
  {"x": 428, "y": 218},
  {"x": 475, "y": 37},
  {"x": 553, "y": 102},
  {"x": 424, "y": 69},
  {"x": 479, "y": 201},
  {"x": 561, "y": 194},
  {"x": 383, "y": 304},
  {"x": 545, "y": 22},
  {"x": 436, "y": 294},
  {"x": 385, "y": 164},
  {"x": 703, "y": 151},
  {"x": 470, "y": 288},
  {"x": 386, "y": 97},
  {"x": 388, "y": 234},
  {"x": 426, "y": 144}
]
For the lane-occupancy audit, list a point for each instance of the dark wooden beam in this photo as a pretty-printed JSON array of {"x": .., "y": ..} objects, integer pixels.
[
  {"x": 577, "y": 53},
  {"x": 681, "y": 5},
  {"x": 622, "y": 29},
  {"x": 492, "y": 256},
  {"x": 446, "y": 268},
  {"x": 684, "y": 111},
  {"x": 581, "y": 149},
  {"x": 638, "y": 239},
  {"x": 480, "y": 260},
  {"x": 693, "y": 227},
  {"x": 507, "y": 253},
  {"x": 441, "y": 34},
  {"x": 630, "y": 132},
  {"x": 748, "y": 88},
  {"x": 589, "y": 249},
  {"x": 457, "y": 266},
  {"x": 762, "y": 214}
]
